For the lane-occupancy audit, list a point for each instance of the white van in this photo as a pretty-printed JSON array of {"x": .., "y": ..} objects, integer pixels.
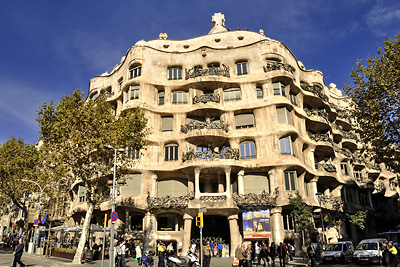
[
  {"x": 369, "y": 250},
  {"x": 338, "y": 252}
]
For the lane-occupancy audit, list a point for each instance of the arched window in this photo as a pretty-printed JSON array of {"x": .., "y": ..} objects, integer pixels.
[
  {"x": 259, "y": 92},
  {"x": 248, "y": 150},
  {"x": 169, "y": 222},
  {"x": 279, "y": 88},
  {"x": 171, "y": 152},
  {"x": 135, "y": 71},
  {"x": 287, "y": 146}
]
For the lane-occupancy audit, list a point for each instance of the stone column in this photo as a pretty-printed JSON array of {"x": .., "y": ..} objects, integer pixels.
[
  {"x": 370, "y": 199},
  {"x": 272, "y": 182},
  {"x": 220, "y": 185},
  {"x": 197, "y": 183},
  {"x": 149, "y": 231},
  {"x": 236, "y": 238},
  {"x": 187, "y": 228},
  {"x": 241, "y": 182},
  {"x": 153, "y": 192},
  {"x": 228, "y": 183},
  {"x": 277, "y": 225}
]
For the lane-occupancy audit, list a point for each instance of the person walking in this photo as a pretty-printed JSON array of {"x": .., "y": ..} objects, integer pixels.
[
  {"x": 161, "y": 255},
  {"x": 272, "y": 253},
  {"x": 207, "y": 255},
  {"x": 311, "y": 254},
  {"x": 257, "y": 250},
  {"x": 282, "y": 252},
  {"x": 291, "y": 251},
  {"x": 219, "y": 249},
  {"x": 122, "y": 254},
  {"x": 138, "y": 251},
  {"x": 212, "y": 245},
  {"x": 18, "y": 254},
  {"x": 248, "y": 255},
  {"x": 264, "y": 260},
  {"x": 239, "y": 255}
]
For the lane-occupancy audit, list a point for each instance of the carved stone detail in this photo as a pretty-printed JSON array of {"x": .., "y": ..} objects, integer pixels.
[
  {"x": 319, "y": 112},
  {"x": 213, "y": 198},
  {"x": 343, "y": 151},
  {"x": 167, "y": 202},
  {"x": 278, "y": 66},
  {"x": 325, "y": 166},
  {"x": 252, "y": 199},
  {"x": 316, "y": 90},
  {"x": 207, "y": 98},
  {"x": 227, "y": 153},
  {"x": 350, "y": 135},
  {"x": 208, "y": 124},
  {"x": 198, "y": 71},
  {"x": 320, "y": 137}
]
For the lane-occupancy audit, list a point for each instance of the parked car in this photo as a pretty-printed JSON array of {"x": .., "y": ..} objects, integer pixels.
[
  {"x": 369, "y": 250},
  {"x": 338, "y": 252}
]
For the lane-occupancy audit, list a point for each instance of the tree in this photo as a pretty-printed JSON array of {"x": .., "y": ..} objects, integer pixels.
[
  {"x": 301, "y": 213},
  {"x": 18, "y": 161},
  {"x": 359, "y": 219},
  {"x": 78, "y": 133},
  {"x": 375, "y": 97}
]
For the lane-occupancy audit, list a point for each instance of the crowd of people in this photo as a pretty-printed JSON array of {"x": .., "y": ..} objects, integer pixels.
[
  {"x": 124, "y": 249},
  {"x": 262, "y": 255}
]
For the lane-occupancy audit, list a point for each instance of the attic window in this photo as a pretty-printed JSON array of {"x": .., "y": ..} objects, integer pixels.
[
  {"x": 166, "y": 46},
  {"x": 217, "y": 40},
  {"x": 186, "y": 46},
  {"x": 240, "y": 37}
]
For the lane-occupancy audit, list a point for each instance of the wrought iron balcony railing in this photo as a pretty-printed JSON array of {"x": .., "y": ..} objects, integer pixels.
[
  {"x": 227, "y": 153},
  {"x": 208, "y": 124},
  {"x": 207, "y": 98},
  {"x": 198, "y": 71}
]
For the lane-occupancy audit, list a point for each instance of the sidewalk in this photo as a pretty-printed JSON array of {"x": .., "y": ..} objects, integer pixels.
[{"x": 215, "y": 262}]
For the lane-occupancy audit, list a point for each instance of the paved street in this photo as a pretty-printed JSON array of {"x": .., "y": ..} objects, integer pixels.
[{"x": 39, "y": 261}]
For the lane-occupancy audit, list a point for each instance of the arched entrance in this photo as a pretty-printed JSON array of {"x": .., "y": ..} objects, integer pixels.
[{"x": 216, "y": 229}]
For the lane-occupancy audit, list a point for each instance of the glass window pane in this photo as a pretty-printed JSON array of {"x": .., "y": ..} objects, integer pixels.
[
  {"x": 292, "y": 181},
  {"x": 287, "y": 186},
  {"x": 287, "y": 145},
  {"x": 239, "y": 70},
  {"x": 244, "y": 68},
  {"x": 252, "y": 150}
]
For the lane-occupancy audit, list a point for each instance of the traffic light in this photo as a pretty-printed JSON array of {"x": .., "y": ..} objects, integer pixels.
[{"x": 199, "y": 219}]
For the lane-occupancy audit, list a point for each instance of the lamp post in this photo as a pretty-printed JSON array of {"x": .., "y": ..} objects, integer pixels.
[
  {"x": 39, "y": 209},
  {"x": 319, "y": 196},
  {"x": 113, "y": 204}
]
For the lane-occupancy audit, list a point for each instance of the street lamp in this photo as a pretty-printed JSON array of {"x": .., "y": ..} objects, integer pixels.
[
  {"x": 113, "y": 204},
  {"x": 39, "y": 209},
  {"x": 319, "y": 197}
]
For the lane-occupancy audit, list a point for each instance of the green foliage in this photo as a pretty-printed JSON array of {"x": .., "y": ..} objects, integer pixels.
[
  {"x": 65, "y": 250},
  {"x": 376, "y": 99},
  {"x": 358, "y": 219},
  {"x": 77, "y": 134},
  {"x": 18, "y": 161},
  {"x": 301, "y": 212}
]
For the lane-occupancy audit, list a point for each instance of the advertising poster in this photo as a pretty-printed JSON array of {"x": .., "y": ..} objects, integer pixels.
[{"x": 256, "y": 223}]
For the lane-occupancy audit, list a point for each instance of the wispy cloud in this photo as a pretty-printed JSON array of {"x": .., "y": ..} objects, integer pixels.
[{"x": 383, "y": 15}]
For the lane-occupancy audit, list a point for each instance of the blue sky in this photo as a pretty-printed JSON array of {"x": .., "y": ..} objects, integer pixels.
[{"x": 49, "y": 48}]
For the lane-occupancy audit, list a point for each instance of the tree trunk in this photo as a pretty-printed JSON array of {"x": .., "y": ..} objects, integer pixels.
[{"x": 84, "y": 235}]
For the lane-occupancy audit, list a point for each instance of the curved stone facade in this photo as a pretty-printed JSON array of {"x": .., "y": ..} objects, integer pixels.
[{"x": 233, "y": 113}]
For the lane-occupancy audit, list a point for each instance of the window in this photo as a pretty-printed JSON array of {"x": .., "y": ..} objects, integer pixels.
[
  {"x": 293, "y": 98},
  {"x": 247, "y": 150},
  {"x": 287, "y": 146},
  {"x": 133, "y": 184},
  {"x": 244, "y": 121},
  {"x": 204, "y": 152},
  {"x": 259, "y": 92},
  {"x": 171, "y": 152},
  {"x": 173, "y": 187},
  {"x": 231, "y": 94},
  {"x": 279, "y": 88},
  {"x": 256, "y": 183},
  {"x": 135, "y": 72},
  {"x": 288, "y": 222},
  {"x": 136, "y": 221},
  {"x": 283, "y": 115},
  {"x": 179, "y": 97},
  {"x": 161, "y": 98},
  {"x": 132, "y": 153},
  {"x": 307, "y": 188},
  {"x": 241, "y": 68},
  {"x": 344, "y": 168},
  {"x": 174, "y": 73},
  {"x": 81, "y": 194},
  {"x": 134, "y": 92},
  {"x": 167, "y": 123},
  {"x": 120, "y": 83},
  {"x": 290, "y": 180},
  {"x": 358, "y": 175}
]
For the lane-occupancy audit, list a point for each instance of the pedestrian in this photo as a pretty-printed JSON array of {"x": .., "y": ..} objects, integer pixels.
[
  {"x": 219, "y": 249},
  {"x": 282, "y": 254},
  {"x": 257, "y": 250},
  {"x": 389, "y": 256},
  {"x": 248, "y": 254},
  {"x": 207, "y": 255},
  {"x": 291, "y": 251},
  {"x": 240, "y": 255},
  {"x": 161, "y": 255},
  {"x": 311, "y": 254},
  {"x": 272, "y": 253},
  {"x": 122, "y": 254},
  {"x": 170, "y": 249},
  {"x": 212, "y": 245},
  {"x": 18, "y": 254},
  {"x": 264, "y": 260},
  {"x": 138, "y": 251},
  {"x": 116, "y": 250}
]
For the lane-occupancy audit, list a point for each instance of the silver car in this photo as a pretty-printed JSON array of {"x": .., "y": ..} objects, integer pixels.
[{"x": 338, "y": 252}]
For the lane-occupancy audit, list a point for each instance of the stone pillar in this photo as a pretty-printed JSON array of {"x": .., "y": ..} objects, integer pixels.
[
  {"x": 190, "y": 183},
  {"x": 153, "y": 192},
  {"x": 1, "y": 232},
  {"x": 277, "y": 225},
  {"x": 370, "y": 199},
  {"x": 220, "y": 185},
  {"x": 241, "y": 182},
  {"x": 197, "y": 183},
  {"x": 187, "y": 228},
  {"x": 272, "y": 181},
  {"x": 150, "y": 225},
  {"x": 236, "y": 238},
  {"x": 228, "y": 183}
]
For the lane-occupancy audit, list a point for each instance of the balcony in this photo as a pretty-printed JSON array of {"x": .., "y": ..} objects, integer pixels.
[
  {"x": 317, "y": 112},
  {"x": 252, "y": 199},
  {"x": 198, "y": 71},
  {"x": 167, "y": 202},
  {"x": 320, "y": 137},
  {"x": 325, "y": 166},
  {"x": 208, "y": 124},
  {"x": 343, "y": 151},
  {"x": 211, "y": 154},
  {"x": 271, "y": 66},
  {"x": 207, "y": 98},
  {"x": 316, "y": 90}
]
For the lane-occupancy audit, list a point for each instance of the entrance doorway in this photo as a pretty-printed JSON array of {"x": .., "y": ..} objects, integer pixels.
[{"x": 216, "y": 229}]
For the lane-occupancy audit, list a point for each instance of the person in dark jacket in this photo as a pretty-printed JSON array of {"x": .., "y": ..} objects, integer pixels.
[
  {"x": 264, "y": 260},
  {"x": 272, "y": 253},
  {"x": 311, "y": 254},
  {"x": 282, "y": 252},
  {"x": 388, "y": 259},
  {"x": 18, "y": 254}
]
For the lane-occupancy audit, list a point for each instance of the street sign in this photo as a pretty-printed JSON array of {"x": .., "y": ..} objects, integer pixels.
[
  {"x": 36, "y": 222},
  {"x": 114, "y": 216}
]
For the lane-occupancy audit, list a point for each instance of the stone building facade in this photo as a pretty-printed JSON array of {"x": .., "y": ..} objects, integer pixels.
[{"x": 237, "y": 121}]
